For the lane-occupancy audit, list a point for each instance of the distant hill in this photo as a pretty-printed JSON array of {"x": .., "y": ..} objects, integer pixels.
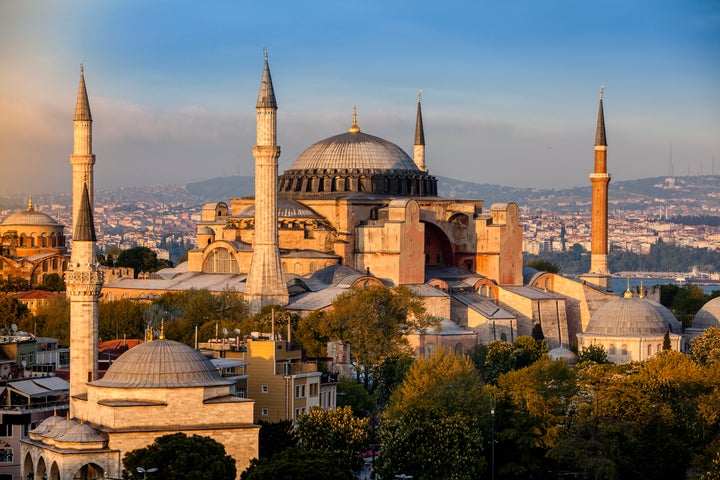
[
  {"x": 625, "y": 194},
  {"x": 630, "y": 194}
]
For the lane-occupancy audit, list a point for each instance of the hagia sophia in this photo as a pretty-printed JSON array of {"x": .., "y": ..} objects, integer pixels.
[{"x": 353, "y": 210}]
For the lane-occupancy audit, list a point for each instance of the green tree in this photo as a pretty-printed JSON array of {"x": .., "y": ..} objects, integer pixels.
[
  {"x": 705, "y": 349},
  {"x": 532, "y": 410},
  {"x": 275, "y": 437},
  {"x": 433, "y": 426},
  {"x": 121, "y": 319},
  {"x": 52, "y": 282},
  {"x": 179, "y": 457},
  {"x": 388, "y": 375},
  {"x": 337, "y": 433},
  {"x": 142, "y": 259},
  {"x": 352, "y": 394},
  {"x": 297, "y": 464},
  {"x": 13, "y": 310},
  {"x": 593, "y": 353},
  {"x": 543, "y": 265},
  {"x": 537, "y": 332},
  {"x": 375, "y": 321},
  {"x": 52, "y": 320},
  {"x": 666, "y": 342},
  {"x": 15, "y": 284}
]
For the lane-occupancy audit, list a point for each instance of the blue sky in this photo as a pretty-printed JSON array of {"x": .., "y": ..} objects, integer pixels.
[{"x": 510, "y": 88}]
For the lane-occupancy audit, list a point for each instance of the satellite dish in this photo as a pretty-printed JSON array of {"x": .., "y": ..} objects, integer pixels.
[
  {"x": 225, "y": 332},
  {"x": 13, "y": 327},
  {"x": 237, "y": 331}
]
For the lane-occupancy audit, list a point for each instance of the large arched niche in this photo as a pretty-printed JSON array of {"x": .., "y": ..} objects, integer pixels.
[
  {"x": 438, "y": 249},
  {"x": 220, "y": 259},
  {"x": 487, "y": 288},
  {"x": 89, "y": 471}
]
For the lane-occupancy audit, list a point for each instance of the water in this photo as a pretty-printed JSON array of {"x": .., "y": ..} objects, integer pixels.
[{"x": 619, "y": 285}]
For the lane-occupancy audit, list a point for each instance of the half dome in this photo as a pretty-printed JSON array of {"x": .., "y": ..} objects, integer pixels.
[{"x": 161, "y": 364}]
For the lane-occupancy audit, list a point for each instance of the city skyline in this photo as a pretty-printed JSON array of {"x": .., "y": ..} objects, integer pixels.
[{"x": 510, "y": 92}]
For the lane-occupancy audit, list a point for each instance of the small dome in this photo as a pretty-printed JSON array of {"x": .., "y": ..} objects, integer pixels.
[
  {"x": 286, "y": 209},
  {"x": 60, "y": 428},
  {"x": 562, "y": 353},
  {"x": 708, "y": 316},
  {"x": 80, "y": 433},
  {"x": 627, "y": 317},
  {"x": 161, "y": 364},
  {"x": 29, "y": 217},
  {"x": 206, "y": 231},
  {"x": 354, "y": 150},
  {"x": 674, "y": 324},
  {"x": 47, "y": 424}
]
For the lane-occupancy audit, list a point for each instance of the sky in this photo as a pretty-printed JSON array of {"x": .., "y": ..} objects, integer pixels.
[{"x": 509, "y": 88}]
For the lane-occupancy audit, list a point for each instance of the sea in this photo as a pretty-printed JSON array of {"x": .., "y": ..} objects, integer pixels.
[{"x": 619, "y": 285}]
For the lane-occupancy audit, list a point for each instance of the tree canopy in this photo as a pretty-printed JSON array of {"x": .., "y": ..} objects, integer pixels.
[
  {"x": 142, "y": 259},
  {"x": 434, "y": 425},
  {"x": 180, "y": 457}
]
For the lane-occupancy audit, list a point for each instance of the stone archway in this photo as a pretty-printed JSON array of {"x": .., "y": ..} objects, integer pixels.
[
  {"x": 89, "y": 471},
  {"x": 438, "y": 249}
]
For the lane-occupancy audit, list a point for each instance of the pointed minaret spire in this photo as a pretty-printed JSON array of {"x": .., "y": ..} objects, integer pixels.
[
  {"x": 599, "y": 272},
  {"x": 419, "y": 148},
  {"x": 600, "y": 138},
  {"x": 84, "y": 225},
  {"x": 265, "y": 284},
  {"x": 266, "y": 96},
  {"x": 82, "y": 107}
]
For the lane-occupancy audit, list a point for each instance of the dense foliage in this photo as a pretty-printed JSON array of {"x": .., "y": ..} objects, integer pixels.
[
  {"x": 179, "y": 457},
  {"x": 142, "y": 259}
]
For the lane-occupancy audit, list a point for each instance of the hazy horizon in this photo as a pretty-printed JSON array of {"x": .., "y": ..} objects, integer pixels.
[{"x": 510, "y": 91}]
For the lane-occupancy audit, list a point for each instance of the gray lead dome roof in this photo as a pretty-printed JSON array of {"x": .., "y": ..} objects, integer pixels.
[
  {"x": 627, "y": 317},
  {"x": 354, "y": 150},
  {"x": 708, "y": 316},
  {"x": 161, "y": 364}
]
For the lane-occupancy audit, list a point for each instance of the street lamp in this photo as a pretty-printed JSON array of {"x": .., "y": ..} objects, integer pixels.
[
  {"x": 145, "y": 472},
  {"x": 492, "y": 414}
]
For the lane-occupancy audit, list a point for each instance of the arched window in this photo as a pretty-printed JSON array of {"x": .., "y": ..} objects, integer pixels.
[
  {"x": 429, "y": 349},
  {"x": 611, "y": 351},
  {"x": 649, "y": 350},
  {"x": 220, "y": 260},
  {"x": 458, "y": 348},
  {"x": 298, "y": 268},
  {"x": 623, "y": 351}
]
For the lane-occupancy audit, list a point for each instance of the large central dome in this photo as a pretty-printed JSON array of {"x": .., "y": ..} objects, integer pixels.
[
  {"x": 355, "y": 162},
  {"x": 354, "y": 151}
]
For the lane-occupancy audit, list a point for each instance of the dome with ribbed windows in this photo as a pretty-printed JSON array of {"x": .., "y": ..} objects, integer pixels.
[
  {"x": 355, "y": 162},
  {"x": 627, "y": 317}
]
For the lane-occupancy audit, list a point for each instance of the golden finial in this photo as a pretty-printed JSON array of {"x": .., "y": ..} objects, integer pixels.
[
  {"x": 30, "y": 204},
  {"x": 150, "y": 333},
  {"x": 162, "y": 330},
  {"x": 419, "y": 95},
  {"x": 354, "y": 128},
  {"x": 628, "y": 293},
  {"x": 642, "y": 291},
  {"x": 602, "y": 88}
]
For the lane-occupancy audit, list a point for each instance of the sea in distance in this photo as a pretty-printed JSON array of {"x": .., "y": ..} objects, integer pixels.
[{"x": 619, "y": 284}]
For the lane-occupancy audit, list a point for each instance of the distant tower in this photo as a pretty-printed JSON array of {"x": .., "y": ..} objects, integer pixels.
[
  {"x": 265, "y": 282},
  {"x": 82, "y": 159},
  {"x": 419, "y": 148},
  {"x": 599, "y": 272}
]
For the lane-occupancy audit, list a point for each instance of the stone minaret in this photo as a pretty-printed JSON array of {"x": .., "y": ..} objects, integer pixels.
[
  {"x": 419, "y": 148},
  {"x": 265, "y": 282},
  {"x": 599, "y": 272},
  {"x": 83, "y": 282},
  {"x": 82, "y": 159}
]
